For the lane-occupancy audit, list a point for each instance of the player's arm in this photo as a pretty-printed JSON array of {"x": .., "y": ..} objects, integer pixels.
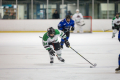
[
  {"x": 60, "y": 26},
  {"x": 62, "y": 35},
  {"x": 82, "y": 19},
  {"x": 45, "y": 42},
  {"x": 46, "y": 45},
  {"x": 81, "y": 16},
  {"x": 73, "y": 24},
  {"x": 113, "y": 23}
]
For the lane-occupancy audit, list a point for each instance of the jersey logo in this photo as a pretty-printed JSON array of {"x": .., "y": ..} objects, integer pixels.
[
  {"x": 118, "y": 21},
  {"x": 59, "y": 24},
  {"x": 54, "y": 41},
  {"x": 78, "y": 16}
]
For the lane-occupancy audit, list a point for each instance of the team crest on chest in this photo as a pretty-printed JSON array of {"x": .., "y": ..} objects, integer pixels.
[{"x": 78, "y": 16}]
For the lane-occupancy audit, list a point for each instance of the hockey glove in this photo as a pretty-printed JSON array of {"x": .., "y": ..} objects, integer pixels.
[
  {"x": 72, "y": 29},
  {"x": 67, "y": 43},
  {"x": 51, "y": 51},
  {"x": 119, "y": 39}
]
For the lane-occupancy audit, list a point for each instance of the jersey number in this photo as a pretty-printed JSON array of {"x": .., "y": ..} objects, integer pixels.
[{"x": 44, "y": 43}]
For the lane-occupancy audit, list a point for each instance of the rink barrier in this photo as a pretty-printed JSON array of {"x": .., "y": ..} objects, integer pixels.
[
  {"x": 22, "y": 31},
  {"x": 102, "y": 31},
  {"x": 19, "y": 26},
  {"x": 36, "y": 31}
]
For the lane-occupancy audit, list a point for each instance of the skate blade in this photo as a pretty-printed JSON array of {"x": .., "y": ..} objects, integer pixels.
[
  {"x": 118, "y": 72},
  {"x": 51, "y": 63},
  {"x": 60, "y": 60},
  {"x": 113, "y": 36}
]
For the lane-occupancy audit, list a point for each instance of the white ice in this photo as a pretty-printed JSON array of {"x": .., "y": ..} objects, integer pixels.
[{"x": 22, "y": 57}]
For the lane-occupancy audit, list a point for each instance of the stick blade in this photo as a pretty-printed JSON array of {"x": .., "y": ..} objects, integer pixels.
[
  {"x": 40, "y": 37},
  {"x": 95, "y": 65}
]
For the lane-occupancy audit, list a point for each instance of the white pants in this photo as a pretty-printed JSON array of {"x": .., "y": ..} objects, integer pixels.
[
  {"x": 115, "y": 31},
  {"x": 78, "y": 28}
]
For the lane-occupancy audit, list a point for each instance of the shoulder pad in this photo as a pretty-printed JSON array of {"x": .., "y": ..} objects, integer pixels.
[
  {"x": 62, "y": 20},
  {"x": 114, "y": 18},
  {"x": 45, "y": 37},
  {"x": 57, "y": 31}
]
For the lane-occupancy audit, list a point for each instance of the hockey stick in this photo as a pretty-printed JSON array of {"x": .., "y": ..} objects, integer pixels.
[
  {"x": 85, "y": 58},
  {"x": 107, "y": 30},
  {"x": 40, "y": 37},
  {"x": 81, "y": 56}
]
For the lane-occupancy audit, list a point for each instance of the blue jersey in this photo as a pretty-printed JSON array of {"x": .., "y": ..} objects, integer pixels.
[{"x": 65, "y": 26}]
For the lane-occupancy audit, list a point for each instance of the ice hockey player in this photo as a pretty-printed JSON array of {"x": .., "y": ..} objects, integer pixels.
[
  {"x": 115, "y": 24},
  {"x": 65, "y": 26},
  {"x": 118, "y": 69},
  {"x": 51, "y": 43},
  {"x": 79, "y": 22}
]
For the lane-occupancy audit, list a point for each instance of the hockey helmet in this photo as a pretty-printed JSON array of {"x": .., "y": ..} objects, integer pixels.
[
  {"x": 51, "y": 32},
  {"x": 68, "y": 17}
]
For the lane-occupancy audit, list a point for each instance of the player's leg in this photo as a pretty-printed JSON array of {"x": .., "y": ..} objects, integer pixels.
[
  {"x": 81, "y": 29},
  {"x": 114, "y": 30},
  {"x": 118, "y": 69},
  {"x": 62, "y": 43},
  {"x": 82, "y": 23},
  {"x": 62, "y": 40},
  {"x": 58, "y": 51},
  {"x": 51, "y": 57},
  {"x": 68, "y": 35}
]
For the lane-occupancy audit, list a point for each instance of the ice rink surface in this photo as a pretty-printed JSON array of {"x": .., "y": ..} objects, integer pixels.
[{"x": 22, "y": 57}]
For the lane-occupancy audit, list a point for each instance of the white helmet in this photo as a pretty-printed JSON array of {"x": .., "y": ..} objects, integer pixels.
[{"x": 77, "y": 9}]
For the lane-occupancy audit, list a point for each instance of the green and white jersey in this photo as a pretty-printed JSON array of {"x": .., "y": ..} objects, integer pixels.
[
  {"x": 46, "y": 39},
  {"x": 116, "y": 21}
]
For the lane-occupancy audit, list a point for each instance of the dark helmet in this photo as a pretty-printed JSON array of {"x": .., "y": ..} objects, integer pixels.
[
  {"x": 117, "y": 13},
  {"x": 68, "y": 17},
  {"x": 51, "y": 30}
]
